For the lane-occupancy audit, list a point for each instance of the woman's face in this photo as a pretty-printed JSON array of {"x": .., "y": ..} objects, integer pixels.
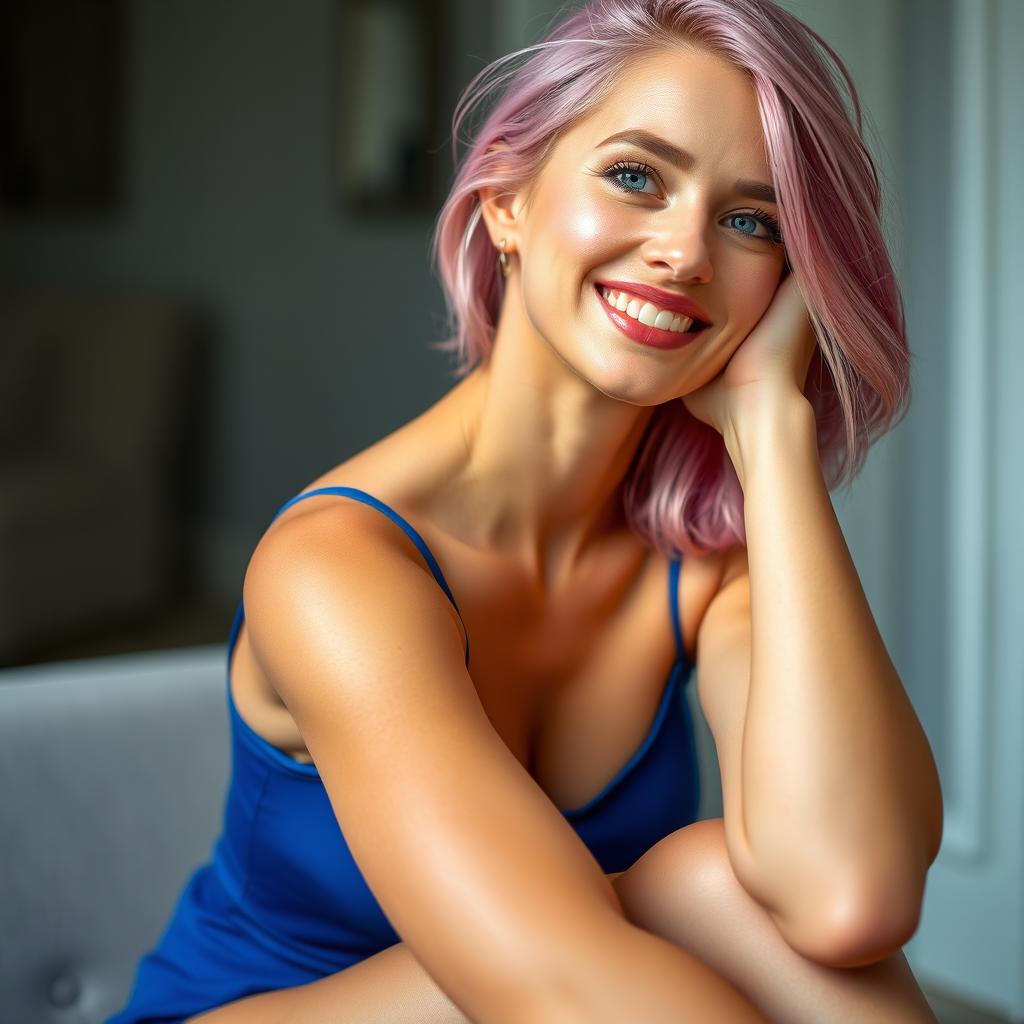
[{"x": 622, "y": 211}]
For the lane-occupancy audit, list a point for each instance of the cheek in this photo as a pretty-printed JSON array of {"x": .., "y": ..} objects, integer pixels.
[
  {"x": 580, "y": 229},
  {"x": 571, "y": 236},
  {"x": 754, "y": 293}
]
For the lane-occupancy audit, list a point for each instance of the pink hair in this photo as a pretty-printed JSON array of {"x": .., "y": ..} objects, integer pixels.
[{"x": 681, "y": 492}]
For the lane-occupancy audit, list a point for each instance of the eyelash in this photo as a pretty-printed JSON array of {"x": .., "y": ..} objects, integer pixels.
[{"x": 762, "y": 216}]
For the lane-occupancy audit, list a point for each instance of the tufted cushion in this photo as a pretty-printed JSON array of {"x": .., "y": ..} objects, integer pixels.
[{"x": 114, "y": 774}]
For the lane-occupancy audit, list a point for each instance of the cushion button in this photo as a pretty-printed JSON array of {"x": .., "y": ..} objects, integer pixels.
[{"x": 64, "y": 990}]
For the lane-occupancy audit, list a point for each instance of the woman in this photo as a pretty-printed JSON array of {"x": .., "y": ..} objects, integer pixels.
[{"x": 636, "y": 456}]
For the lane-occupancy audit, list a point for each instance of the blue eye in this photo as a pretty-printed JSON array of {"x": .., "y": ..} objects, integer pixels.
[
  {"x": 764, "y": 219},
  {"x": 749, "y": 220},
  {"x": 631, "y": 171}
]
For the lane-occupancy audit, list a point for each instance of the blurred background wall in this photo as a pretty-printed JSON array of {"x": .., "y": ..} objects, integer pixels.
[{"x": 310, "y": 327}]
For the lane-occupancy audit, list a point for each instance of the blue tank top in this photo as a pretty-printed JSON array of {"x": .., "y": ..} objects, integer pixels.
[{"x": 282, "y": 902}]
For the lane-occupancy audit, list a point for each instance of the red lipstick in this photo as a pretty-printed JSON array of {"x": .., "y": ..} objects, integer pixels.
[
  {"x": 653, "y": 336},
  {"x": 663, "y": 300}
]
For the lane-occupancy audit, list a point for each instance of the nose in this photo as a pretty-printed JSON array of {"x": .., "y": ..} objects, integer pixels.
[{"x": 681, "y": 246}]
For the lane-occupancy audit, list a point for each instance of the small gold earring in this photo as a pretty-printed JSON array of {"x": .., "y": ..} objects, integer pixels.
[{"x": 503, "y": 258}]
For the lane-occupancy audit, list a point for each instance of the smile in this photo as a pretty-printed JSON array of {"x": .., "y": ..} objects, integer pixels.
[{"x": 645, "y": 323}]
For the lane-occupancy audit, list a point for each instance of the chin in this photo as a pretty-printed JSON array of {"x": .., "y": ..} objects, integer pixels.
[{"x": 624, "y": 380}]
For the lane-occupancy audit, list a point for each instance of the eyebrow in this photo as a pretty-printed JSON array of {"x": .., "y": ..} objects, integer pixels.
[{"x": 681, "y": 158}]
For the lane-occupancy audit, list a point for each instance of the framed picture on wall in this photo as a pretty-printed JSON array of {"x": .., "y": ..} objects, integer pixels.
[
  {"x": 61, "y": 98},
  {"x": 387, "y": 131}
]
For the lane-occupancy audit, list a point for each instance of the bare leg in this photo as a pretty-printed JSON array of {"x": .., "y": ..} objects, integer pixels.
[
  {"x": 682, "y": 889},
  {"x": 390, "y": 987},
  {"x": 736, "y": 936}
]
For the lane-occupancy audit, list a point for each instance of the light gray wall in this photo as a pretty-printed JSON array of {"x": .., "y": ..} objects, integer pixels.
[
  {"x": 925, "y": 102},
  {"x": 965, "y": 489}
]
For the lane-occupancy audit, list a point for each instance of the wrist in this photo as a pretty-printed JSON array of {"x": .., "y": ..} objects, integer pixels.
[{"x": 768, "y": 428}]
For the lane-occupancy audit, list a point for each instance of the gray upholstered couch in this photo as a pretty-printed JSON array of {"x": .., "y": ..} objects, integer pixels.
[{"x": 112, "y": 780}]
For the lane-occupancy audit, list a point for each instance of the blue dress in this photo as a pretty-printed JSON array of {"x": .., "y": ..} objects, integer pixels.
[{"x": 282, "y": 902}]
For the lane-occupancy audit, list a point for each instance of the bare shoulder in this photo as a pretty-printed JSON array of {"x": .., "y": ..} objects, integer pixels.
[{"x": 336, "y": 577}]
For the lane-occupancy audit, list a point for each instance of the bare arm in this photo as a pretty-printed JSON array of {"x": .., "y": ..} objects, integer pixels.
[{"x": 830, "y": 743}]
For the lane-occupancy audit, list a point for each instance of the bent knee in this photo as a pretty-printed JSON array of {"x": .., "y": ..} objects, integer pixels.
[
  {"x": 696, "y": 855},
  {"x": 685, "y": 866}
]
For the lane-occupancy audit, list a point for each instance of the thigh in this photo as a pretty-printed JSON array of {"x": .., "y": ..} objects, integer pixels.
[{"x": 392, "y": 987}]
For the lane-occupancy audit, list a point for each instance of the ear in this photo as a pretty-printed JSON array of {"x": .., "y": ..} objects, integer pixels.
[{"x": 501, "y": 210}]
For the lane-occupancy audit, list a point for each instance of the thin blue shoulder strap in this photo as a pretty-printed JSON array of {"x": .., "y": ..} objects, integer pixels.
[
  {"x": 369, "y": 499},
  {"x": 673, "y": 600}
]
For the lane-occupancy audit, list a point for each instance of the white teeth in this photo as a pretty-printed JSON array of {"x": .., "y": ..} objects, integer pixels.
[{"x": 647, "y": 313}]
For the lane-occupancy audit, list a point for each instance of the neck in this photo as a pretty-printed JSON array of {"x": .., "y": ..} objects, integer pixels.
[{"x": 545, "y": 456}]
